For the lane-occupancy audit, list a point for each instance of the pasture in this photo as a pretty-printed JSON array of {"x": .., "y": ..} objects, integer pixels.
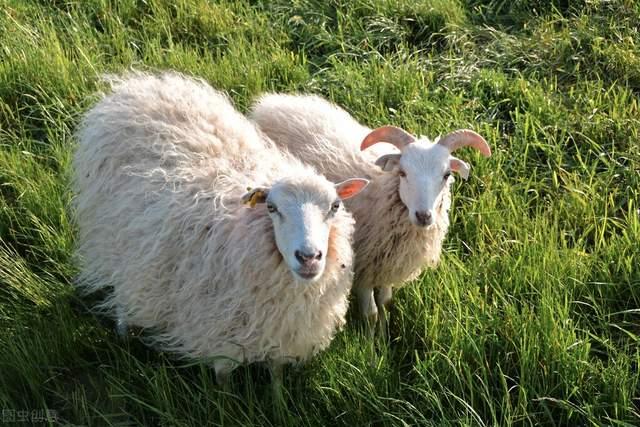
[{"x": 533, "y": 316}]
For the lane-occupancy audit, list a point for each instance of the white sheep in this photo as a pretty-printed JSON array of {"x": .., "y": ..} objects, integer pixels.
[
  {"x": 161, "y": 175},
  {"x": 402, "y": 216}
]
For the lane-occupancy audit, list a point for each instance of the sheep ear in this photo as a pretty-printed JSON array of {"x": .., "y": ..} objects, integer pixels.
[
  {"x": 255, "y": 196},
  {"x": 459, "y": 166},
  {"x": 388, "y": 161},
  {"x": 350, "y": 187}
]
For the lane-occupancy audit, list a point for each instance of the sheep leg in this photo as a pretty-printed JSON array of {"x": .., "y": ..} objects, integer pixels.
[
  {"x": 122, "y": 329},
  {"x": 223, "y": 370},
  {"x": 368, "y": 309},
  {"x": 277, "y": 371},
  {"x": 277, "y": 376},
  {"x": 383, "y": 298}
]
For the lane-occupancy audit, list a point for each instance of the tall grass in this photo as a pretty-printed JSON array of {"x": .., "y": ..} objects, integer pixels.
[{"x": 533, "y": 316}]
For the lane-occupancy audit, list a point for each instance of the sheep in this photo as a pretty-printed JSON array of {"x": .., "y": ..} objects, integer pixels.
[
  {"x": 402, "y": 216},
  {"x": 212, "y": 271}
]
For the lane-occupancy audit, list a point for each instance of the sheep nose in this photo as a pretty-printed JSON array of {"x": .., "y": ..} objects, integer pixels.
[
  {"x": 307, "y": 258},
  {"x": 423, "y": 218}
]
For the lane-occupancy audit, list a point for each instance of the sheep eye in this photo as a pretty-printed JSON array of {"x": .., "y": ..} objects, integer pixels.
[
  {"x": 447, "y": 175},
  {"x": 335, "y": 206},
  {"x": 402, "y": 173},
  {"x": 271, "y": 208}
]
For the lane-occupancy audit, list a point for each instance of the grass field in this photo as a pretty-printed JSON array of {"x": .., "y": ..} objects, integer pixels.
[{"x": 533, "y": 317}]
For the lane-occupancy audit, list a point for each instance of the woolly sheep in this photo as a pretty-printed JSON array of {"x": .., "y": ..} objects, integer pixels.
[
  {"x": 161, "y": 168},
  {"x": 402, "y": 216}
]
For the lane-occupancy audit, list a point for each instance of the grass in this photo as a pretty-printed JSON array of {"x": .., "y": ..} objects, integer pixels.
[{"x": 533, "y": 317}]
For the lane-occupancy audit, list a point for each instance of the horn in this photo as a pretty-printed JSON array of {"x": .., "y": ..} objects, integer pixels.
[
  {"x": 391, "y": 134},
  {"x": 463, "y": 138}
]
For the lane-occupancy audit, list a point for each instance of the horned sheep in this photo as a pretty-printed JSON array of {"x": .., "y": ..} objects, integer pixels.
[
  {"x": 402, "y": 216},
  {"x": 210, "y": 269}
]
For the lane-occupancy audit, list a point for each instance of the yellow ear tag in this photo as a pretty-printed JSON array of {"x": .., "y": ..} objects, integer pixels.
[{"x": 255, "y": 197}]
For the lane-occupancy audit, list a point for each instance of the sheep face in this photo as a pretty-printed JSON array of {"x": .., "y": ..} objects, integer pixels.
[
  {"x": 424, "y": 167},
  {"x": 302, "y": 214},
  {"x": 425, "y": 177}
]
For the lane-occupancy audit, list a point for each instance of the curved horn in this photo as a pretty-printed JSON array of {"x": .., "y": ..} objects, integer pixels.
[
  {"x": 463, "y": 138},
  {"x": 391, "y": 134}
]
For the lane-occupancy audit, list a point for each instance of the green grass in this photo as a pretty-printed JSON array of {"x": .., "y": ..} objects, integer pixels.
[{"x": 533, "y": 316}]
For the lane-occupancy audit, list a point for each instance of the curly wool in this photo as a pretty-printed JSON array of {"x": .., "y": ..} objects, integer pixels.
[
  {"x": 389, "y": 249},
  {"x": 160, "y": 168}
]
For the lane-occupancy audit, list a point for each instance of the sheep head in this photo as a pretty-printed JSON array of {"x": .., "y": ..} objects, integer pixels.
[
  {"x": 424, "y": 167},
  {"x": 302, "y": 210}
]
